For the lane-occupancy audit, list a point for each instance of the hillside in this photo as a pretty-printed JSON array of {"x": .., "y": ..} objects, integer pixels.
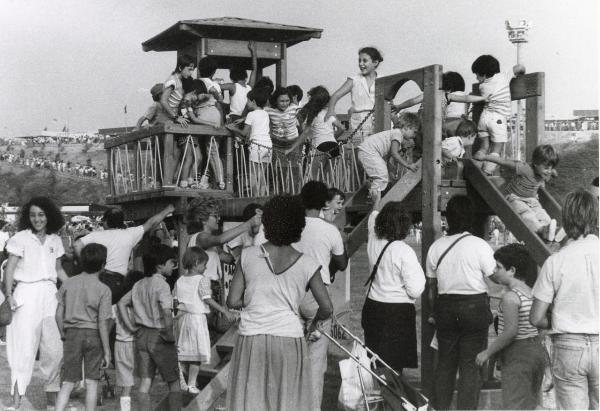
[{"x": 578, "y": 166}]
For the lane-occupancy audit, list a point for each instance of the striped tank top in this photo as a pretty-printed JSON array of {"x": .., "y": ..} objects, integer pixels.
[{"x": 524, "y": 328}]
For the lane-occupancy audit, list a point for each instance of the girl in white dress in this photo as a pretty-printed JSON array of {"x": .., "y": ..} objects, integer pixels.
[{"x": 193, "y": 299}]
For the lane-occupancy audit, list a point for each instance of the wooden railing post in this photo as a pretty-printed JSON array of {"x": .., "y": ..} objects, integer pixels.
[
  {"x": 169, "y": 161},
  {"x": 229, "y": 165},
  {"x": 534, "y": 118}
]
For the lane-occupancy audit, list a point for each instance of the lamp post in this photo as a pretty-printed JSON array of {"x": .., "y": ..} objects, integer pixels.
[{"x": 517, "y": 34}]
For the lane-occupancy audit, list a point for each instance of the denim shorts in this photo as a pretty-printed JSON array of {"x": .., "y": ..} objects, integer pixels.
[{"x": 82, "y": 345}]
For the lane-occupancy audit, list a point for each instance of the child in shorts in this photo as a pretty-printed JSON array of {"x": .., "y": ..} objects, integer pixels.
[
  {"x": 257, "y": 132},
  {"x": 523, "y": 358},
  {"x": 125, "y": 352},
  {"x": 376, "y": 149},
  {"x": 83, "y": 316},
  {"x": 151, "y": 302},
  {"x": 494, "y": 87},
  {"x": 522, "y": 190},
  {"x": 453, "y": 147}
]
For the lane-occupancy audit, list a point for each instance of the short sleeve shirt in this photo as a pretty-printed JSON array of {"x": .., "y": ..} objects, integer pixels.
[
  {"x": 271, "y": 300},
  {"x": 85, "y": 300},
  {"x": 284, "y": 125},
  {"x": 190, "y": 291},
  {"x": 156, "y": 114},
  {"x": 497, "y": 89},
  {"x": 569, "y": 281},
  {"x": 37, "y": 261},
  {"x": 149, "y": 297},
  {"x": 524, "y": 183},
  {"x": 119, "y": 243},
  {"x": 174, "y": 86},
  {"x": 258, "y": 120},
  {"x": 320, "y": 240},
  {"x": 380, "y": 144},
  {"x": 465, "y": 266}
]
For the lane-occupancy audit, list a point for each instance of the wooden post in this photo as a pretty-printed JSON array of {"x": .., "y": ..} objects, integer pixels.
[
  {"x": 281, "y": 68},
  {"x": 535, "y": 115},
  {"x": 138, "y": 165},
  {"x": 110, "y": 170},
  {"x": 182, "y": 239},
  {"x": 382, "y": 109},
  {"x": 431, "y": 169},
  {"x": 229, "y": 164},
  {"x": 169, "y": 162}
]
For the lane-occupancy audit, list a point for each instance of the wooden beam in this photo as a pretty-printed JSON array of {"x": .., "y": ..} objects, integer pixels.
[
  {"x": 281, "y": 68},
  {"x": 526, "y": 86},
  {"x": 535, "y": 116},
  {"x": 239, "y": 48},
  {"x": 168, "y": 163},
  {"x": 552, "y": 207},
  {"x": 432, "y": 225},
  {"x": 194, "y": 129}
]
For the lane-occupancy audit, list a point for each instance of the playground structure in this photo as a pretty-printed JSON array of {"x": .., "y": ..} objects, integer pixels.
[{"x": 141, "y": 163}]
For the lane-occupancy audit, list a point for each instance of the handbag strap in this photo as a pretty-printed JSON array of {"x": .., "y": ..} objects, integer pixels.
[
  {"x": 450, "y": 248},
  {"x": 376, "y": 266}
]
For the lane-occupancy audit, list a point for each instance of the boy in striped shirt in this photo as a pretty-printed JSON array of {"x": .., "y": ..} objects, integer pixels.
[{"x": 495, "y": 88}]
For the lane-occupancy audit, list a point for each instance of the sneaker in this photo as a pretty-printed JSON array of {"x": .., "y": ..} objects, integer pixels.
[
  {"x": 551, "y": 230},
  {"x": 183, "y": 184},
  {"x": 193, "y": 390}
]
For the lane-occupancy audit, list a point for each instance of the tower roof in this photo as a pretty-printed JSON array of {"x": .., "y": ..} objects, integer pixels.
[{"x": 233, "y": 28}]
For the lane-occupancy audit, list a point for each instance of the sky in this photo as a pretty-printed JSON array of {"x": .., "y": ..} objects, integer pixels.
[{"x": 80, "y": 62}]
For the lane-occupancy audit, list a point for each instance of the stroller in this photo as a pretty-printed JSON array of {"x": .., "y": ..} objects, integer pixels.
[{"x": 395, "y": 394}]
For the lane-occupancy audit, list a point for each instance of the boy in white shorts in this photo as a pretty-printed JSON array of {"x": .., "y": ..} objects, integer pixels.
[
  {"x": 376, "y": 149},
  {"x": 256, "y": 130},
  {"x": 495, "y": 88}
]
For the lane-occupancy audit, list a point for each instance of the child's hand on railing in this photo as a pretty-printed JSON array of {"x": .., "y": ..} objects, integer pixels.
[{"x": 181, "y": 121}]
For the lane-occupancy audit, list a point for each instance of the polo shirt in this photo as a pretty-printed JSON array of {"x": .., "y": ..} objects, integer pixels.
[
  {"x": 149, "y": 297},
  {"x": 85, "y": 300}
]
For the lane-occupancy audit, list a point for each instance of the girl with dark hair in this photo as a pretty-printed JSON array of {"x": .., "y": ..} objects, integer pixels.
[
  {"x": 173, "y": 88},
  {"x": 32, "y": 270},
  {"x": 396, "y": 281},
  {"x": 268, "y": 285},
  {"x": 282, "y": 116},
  {"x": 240, "y": 86},
  {"x": 362, "y": 90}
]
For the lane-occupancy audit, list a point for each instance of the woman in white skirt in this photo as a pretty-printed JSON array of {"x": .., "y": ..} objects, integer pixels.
[
  {"x": 270, "y": 368},
  {"x": 30, "y": 286},
  {"x": 193, "y": 298}
]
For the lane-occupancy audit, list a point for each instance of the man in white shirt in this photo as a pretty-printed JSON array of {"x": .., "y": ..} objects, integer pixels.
[
  {"x": 119, "y": 242},
  {"x": 322, "y": 241},
  {"x": 569, "y": 281},
  {"x": 456, "y": 268}
]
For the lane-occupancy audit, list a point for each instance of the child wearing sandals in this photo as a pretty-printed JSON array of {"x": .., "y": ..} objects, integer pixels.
[
  {"x": 521, "y": 191},
  {"x": 522, "y": 354},
  {"x": 193, "y": 299}
]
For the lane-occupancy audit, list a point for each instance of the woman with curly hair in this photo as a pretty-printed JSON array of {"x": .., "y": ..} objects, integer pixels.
[
  {"x": 32, "y": 270},
  {"x": 270, "y": 364},
  {"x": 396, "y": 281}
]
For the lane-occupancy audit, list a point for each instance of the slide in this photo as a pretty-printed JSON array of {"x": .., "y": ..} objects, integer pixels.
[{"x": 496, "y": 201}]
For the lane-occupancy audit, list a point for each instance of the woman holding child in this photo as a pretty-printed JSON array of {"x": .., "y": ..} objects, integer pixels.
[
  {"x": 270, "y": 364},
  {"x": 30, "y": 278}
]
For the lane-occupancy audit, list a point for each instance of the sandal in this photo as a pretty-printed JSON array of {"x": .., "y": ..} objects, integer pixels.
[{"x": 192, "y": 390}]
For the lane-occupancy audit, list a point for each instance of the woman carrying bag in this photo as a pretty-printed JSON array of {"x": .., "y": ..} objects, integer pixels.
[{"x": 396, "y": 281}]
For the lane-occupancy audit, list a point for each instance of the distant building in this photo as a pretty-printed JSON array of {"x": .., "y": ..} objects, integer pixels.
[{"x": 582, "y": 120}]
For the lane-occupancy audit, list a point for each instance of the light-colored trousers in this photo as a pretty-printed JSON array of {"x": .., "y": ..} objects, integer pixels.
[{"x": 33, "y": 327}]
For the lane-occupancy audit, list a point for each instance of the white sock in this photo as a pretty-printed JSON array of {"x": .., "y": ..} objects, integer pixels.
[{"x": 125, "y": 403}]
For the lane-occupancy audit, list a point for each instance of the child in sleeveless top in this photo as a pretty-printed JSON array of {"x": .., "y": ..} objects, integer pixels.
[
  {"x": 522, "y": 354},
  {"x": 240, "y": 86},
  {"x": 193, "y": 300}
]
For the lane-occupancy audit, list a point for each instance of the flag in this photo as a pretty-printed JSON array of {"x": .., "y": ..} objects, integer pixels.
[
  {"x": 125, "y": 109},
  {"x": 64, "y": 129}
]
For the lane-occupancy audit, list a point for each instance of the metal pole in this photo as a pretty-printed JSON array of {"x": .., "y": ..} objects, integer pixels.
[{"x": 517, "y": 139}]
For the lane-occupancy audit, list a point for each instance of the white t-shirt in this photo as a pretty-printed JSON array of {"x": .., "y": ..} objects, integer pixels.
[
  {"x": 38, "y": 261},
  {"x": 569, "y": 281},
  {"x": 3, "y": 239},
  {"x": 119, "y": 243},
  {"x": 320, "y": 240},
  {"x": 399, "y": 277},
  {"x": 454, "y": 145},
  {"x": 464, "y": 268},
  {"x": 456, "y": 109},
  {"x": 258, "y": 120},
  {"x": 237, "y": 102},
  {"x": 321, "y": 130}
]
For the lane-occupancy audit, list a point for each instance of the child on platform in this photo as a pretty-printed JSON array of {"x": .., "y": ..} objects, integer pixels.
[
  {"x": 522, "y": 190},
  {"x": 173, "y": 88},
  {"x": 83, "y": 315},
  {"x": 155, "y": 114},
  {"x": 523, "y": 358},
  {"x": 453, "y": 147},
  {"x": 282, "y": 116},
  {"x": 297, "y": 94},
  {"x": 152, "y": 305},
  {"x": 193, "y": 299},
  {"x": 240, "y": 86},
  {"x": 256, "y": 131},
  {"x": 375, "y": 150},
  {"x": 494, "y": 88}
]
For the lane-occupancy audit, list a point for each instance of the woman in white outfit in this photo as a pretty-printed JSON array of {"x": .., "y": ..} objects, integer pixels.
[{"x": 33, "y": 267}]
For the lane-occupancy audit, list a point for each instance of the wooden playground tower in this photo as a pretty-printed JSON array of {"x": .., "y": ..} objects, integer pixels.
[{"x": 424, "y": 193}]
